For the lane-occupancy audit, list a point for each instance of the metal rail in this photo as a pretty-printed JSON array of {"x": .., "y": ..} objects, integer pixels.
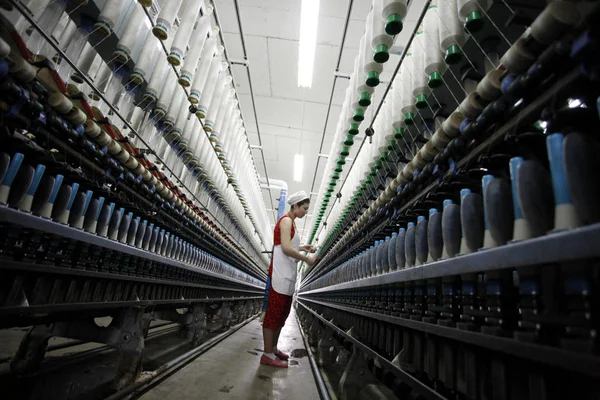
[
  {"x": 321, "y": 386},
  {"x": 34, "y": 222},
  {"x": 417, "y": 385},
  {"x": 51, "y": 269},
  {"x": 574, "y": 361},
  {"x": 100, "y": 305},
  {"x": 582, "y": 243}
]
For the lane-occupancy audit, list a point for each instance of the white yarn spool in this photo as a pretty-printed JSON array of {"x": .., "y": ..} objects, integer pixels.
[
  {"x": 371, "y": 68},
  {"x": 216, "y": 69},
  {"x": 220, "y": 89},
  {"x": 393, "y": 13},
  {"x": 364, "y": 92},
  {"x": 84, "y": 64},
  {"x": 166, "y": 95},
  {"x": 186, "y": 134},
  {"x": 230, "y": 121},
  {"x": 434, "y": 59},
  {"x": 157, "y": 80},
  {"x": 101, "y": 80},
  {"x": 184, "y": 32},
  {"x": 201, "y": 49},
  {"x": 202, "y": 73},
  {"x": 165, "y": 19},
  {"x": 381, "y": 42},
  {"x": 49, "y": 19},
  {"x": 452, "y": 35},
  {"x": 68, "y": 31},
  {"x": 397, "y": 116},
  {"x": 228, "y": 136},
  {"x": 181, "y": 119},
  {"x": 471, "y": 14},
  {"x": 108, "y": 17},
  {"x": 420, "y": 88},
  {"x": 149, "y": 56},
  {"x": 176, "y": 104},
  {"x": 195, "y": 131},
  {"x": 408, "y": 105},
  {"x": 216, "y": 115},
  {"x": 129, "y": 36},
  {"x": 37, "y": 8},
  {"x": 161, "y": 149}
]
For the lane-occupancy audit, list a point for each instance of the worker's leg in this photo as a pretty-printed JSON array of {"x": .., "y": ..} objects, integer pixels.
[
  {"x": 275, "y": 338},
  {"x": 269, "y": 339}
]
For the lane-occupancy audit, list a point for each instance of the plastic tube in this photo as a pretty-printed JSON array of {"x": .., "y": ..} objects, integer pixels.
[
  {"x": 184, "y": 32},
  {"x": 452, "y": 37},
  {"x": 381, "y": 42},
  {"x": 393, "y": 13},
  {"x": 434, "y": 59},
  {"x": 522, "y": 229},
  {"x": 565, "y": 214},
  {"x": 165, "y": 19},
  {"x": 204, "y": 67}
]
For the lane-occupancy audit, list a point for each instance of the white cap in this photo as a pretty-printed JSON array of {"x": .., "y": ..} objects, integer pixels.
[{"x": 297, "y": 197}]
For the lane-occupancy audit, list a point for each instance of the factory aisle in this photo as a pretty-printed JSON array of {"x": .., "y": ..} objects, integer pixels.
[{"x": 231, "y": 370}]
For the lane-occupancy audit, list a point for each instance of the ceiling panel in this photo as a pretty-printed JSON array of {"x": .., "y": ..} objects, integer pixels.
[
  {"x": 269, "y": 22},
  {"x": 259, "y": 65},
  {"x": 283, "y": 57}
]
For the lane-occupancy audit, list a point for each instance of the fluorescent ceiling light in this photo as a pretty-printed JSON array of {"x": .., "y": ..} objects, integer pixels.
[
  {"x": 298, "y": 167},
  {"x": 309, "y": 21}
]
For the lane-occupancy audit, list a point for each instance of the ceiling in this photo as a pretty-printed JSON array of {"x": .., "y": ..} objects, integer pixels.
[{"x": 293, "y": 120}]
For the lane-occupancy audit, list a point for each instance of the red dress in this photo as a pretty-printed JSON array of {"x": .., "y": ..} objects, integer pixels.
[{"x": 278, "y": 305}]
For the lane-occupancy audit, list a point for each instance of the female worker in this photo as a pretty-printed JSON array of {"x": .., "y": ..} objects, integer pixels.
[{"x": 283, "y": 272}]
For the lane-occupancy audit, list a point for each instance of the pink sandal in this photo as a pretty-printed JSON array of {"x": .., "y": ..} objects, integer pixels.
[
  {"x": 273, "y": 362},
  {"x": 282, "y": 356}
]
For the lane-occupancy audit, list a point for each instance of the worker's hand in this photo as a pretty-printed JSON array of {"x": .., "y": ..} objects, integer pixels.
[
  {"x": 308, "y": 248},
  {"x": 310, "y": 261}
]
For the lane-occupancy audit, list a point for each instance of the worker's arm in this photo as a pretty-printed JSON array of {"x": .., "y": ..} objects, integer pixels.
[{"x": 285, "y": 227}]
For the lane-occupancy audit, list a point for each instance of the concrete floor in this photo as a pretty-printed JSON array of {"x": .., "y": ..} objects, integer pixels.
[{"x": 231, "y": 371}]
